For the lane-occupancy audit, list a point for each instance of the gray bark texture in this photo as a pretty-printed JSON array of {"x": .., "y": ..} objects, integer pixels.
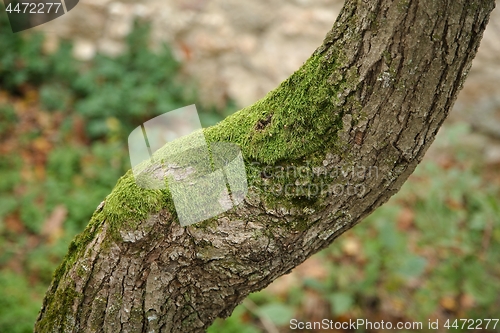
[{"x": 353, "y": 122}]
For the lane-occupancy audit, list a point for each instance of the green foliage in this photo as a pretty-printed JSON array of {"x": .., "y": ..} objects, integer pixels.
[
  {"x": 23, "y": 61},
  {"x": 341, "y": 302},
  {"x": 233, "y": 324},
  {"x": 278, "y": 313},
  {"x": 125, "y": 90},
  {"x": 55, "y": 96},
  {"x": 135, "y": 86},
  {"x": 18, "y": 303},
  {"x": 7, "y": 119}
]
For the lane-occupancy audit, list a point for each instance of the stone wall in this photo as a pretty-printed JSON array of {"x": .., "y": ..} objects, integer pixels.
[
  {"x": 237, "y": 49},
  {"x": 240, "y": 49}
]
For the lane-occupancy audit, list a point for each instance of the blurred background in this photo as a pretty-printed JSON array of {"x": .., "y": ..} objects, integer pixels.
[{"x": 72, "y": 89}]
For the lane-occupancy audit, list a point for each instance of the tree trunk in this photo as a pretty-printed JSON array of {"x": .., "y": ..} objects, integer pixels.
[{"x": 331, "y": 144}]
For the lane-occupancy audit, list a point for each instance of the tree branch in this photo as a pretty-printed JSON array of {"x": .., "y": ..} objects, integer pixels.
[{"x": 331, "y": 144}]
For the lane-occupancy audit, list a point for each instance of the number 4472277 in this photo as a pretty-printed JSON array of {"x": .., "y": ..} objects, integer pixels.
[
  {"x": 471, "y": 324},
  {"x": 34, "y": 8}
]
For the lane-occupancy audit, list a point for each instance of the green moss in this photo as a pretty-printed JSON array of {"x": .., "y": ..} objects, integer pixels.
[
  {"x": 128, "y": 204},
  {"x": 136, "y": 317},
  {"x": 60, "y": 300},
  {"x": 403, "y": 6},
  {"x": 374, "y": 23},
  {"x": 76, "y": 245},
  {"x": 58, "y": 317},
  {"x": 435, "y": 37},
  {"x": 301, "y": 116},
  {"x": 96, "y": 321},
  {"x": 387, "y": 57}
]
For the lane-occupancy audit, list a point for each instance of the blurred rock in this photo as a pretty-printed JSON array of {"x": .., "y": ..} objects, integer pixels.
[
  {"x": 235, "y": 50},
  {"x": 84, "y": 49},
  {"x": 50, "y": 43},
  {"x": 478, "y": 103},
  {"x": 241, "y": 50},
  {"x": 492, "y": 155}
]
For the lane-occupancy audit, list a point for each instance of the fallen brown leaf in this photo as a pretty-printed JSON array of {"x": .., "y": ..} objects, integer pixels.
[
  {"x": 52, "y": 228},
  {"x": 405, "y": 219},
  {"x": 448, "y": 303},
  {"x": 351, "y": 246}
]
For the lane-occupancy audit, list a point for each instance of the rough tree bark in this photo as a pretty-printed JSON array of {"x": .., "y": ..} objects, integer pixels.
[{"x": 372, "y": 97}]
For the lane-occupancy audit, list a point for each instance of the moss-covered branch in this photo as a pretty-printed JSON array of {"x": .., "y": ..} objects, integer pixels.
[{"x": 370, "y": 99}]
